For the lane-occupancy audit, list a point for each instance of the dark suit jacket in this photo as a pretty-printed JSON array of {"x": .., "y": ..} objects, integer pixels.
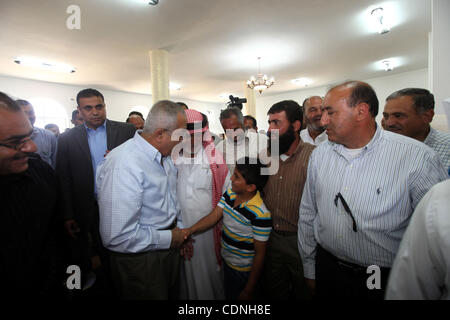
[{"x": 75, "y": 172}]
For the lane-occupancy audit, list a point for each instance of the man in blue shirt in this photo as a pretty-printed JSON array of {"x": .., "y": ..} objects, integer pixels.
[
  {"x": 80, "y": 150},
  {"x": 140, "y": 220},
  {"x": 361, "y": 190},
  {"x": 44, "y": 139}
]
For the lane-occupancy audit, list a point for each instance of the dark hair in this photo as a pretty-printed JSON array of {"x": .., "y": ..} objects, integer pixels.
[
  {"x": 183, "y": 104},
  {"x": 137, "y": 113},
  {"x": 134, "y": 113},
  {"x": 7, "y": 103},
  {"x": 249, "y": 117},
  {"x": 422, "y": 98},
  {"x": 250, "y": 169},
  {"x": 87, "y": 93},
  {"x": 50, "y": 125},
  {"x": 229, "y": 112},
  {"x": 74, "y": 114},
  {"x": 21, "y": 102},
  {"x": 362, "y": 93},
  {"x": 293, "y": 110}
]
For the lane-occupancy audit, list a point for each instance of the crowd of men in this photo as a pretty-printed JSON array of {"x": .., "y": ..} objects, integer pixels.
[{"x": 161, "y": 208}]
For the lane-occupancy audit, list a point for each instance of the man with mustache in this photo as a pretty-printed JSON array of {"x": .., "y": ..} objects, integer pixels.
[
  {"x": 409, "y": 112},
  {"x": 28, "y": 189},
  {"x": 80, "y": 151},
  {"x": 314, "y": 132},
  {"x": 44, "y": 140},
  {"x": 283, "y": 273},
  {"x": 361, "y": 190},
  {"x": 238, "y": 143}
]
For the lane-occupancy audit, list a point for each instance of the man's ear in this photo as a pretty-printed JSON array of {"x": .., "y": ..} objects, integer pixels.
[
  {"x": 297, "y": 124},
  {"x": 363, "y": 110},
  {"x": 158, "y": 134},
  {"x": 428, "y": 115}
]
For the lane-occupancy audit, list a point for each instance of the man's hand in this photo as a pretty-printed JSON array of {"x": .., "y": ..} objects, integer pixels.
[
  {"x": 187, "y": 233},
  {"x": 72, "y": 228},
  {"x": 311, "y": 284},
  {"x": 177, "y": 238},
  {"x": 245, "y": 295},
  {"x": 187, "y": 249}
]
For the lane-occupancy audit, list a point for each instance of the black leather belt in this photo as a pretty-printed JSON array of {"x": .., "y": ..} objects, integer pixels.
[
  {"x": 285, "y": 233},
  {"x": 348, "y": 266}
]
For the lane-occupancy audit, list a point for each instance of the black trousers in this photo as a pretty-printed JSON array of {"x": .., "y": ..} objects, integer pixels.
[{"x": 337, "y": 279}]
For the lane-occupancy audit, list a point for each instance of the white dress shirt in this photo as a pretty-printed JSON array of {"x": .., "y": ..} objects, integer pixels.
[
  {"x": 382, "y": 186},
  {"x": 306, "y": 137},
  {"x": 251, "y": 145},
  {"x": 137, "y": 198},
  {"x": 201, "y": 278},
  {"x": 421, "y": 269}
]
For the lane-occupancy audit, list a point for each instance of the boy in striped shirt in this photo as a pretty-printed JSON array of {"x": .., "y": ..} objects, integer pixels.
[{"x": 246, "y": 228}]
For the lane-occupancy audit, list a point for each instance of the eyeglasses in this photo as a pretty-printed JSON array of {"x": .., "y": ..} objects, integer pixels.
[
  {"x": 346, "y": 207},
  {"x": 17, "y": 146}
]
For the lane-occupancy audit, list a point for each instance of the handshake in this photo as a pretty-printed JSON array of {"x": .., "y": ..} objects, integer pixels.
[{"x": 181, "y": 238}]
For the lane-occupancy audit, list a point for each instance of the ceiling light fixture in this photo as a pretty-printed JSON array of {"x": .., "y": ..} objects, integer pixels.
[
  {"x": 378, "y": 16},
  {"x": 304, "y": 82},
  {"x": 153, "y": 2},
  {"x": 174, "y": 86},
  {"x": 261, "y": 82},
  {"x": 387, "y": 65},
  {"x": 52, "y": 66}
]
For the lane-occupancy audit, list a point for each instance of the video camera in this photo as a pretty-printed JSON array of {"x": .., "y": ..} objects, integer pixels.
[{"x": 236, "y": 102}]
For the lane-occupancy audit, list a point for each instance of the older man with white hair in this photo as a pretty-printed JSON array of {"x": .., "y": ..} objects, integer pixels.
[{"x": 140, "y": 220}]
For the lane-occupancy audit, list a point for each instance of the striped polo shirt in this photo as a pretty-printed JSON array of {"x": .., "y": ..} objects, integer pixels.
[{"x": 250, "y": 220}]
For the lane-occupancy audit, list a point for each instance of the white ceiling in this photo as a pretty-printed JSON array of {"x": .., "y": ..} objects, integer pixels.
[{"x": 213, "y": 45}]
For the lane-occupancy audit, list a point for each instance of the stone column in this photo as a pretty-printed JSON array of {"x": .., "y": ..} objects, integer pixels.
[
  {"x": 159, "y": 70},
  {"x": 250, "y": 106}
]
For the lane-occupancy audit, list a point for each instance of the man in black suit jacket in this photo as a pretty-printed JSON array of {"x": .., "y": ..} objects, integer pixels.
[{"x": 80, "y": 150}]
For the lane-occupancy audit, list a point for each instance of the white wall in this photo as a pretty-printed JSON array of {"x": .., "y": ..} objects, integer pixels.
[
  {"x": 118, "y": 103},
  {"x": 383, "y": 86}
]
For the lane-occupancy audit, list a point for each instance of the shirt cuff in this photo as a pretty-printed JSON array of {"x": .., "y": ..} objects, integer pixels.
[
  {"x": 309, "y": 270},
  {"x": 180, "y": 225},
  {"x": 165, "y": 238}
]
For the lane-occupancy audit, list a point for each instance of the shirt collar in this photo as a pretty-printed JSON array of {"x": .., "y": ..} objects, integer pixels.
[
  {"x": 372, "y": 143},
  {"x": 102, "y": 127},
  {"x": 146, "y": 147},
  {"x": 430, "y": 135}
]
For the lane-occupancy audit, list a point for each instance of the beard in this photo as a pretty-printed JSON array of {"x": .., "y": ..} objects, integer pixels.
[{"x": 284, "y": 141}]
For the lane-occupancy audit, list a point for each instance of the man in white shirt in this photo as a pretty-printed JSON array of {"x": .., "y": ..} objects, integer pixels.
[
  {"x": 422, "y": 265},
  {"x": 314, "y": 132},
  {"x": 140, "y": 221},
  {"x": 202, "y": 175},
  {"x": 361, "y": 189},
  {"x": 238, "y": 143}
]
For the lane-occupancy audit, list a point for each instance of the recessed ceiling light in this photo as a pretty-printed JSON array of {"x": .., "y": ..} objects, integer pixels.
[
  {"x": 388, "y": 65},
  {"x": 379, "y": 17},
  {"x": 304, "y": 82},
  {"x": 153, "y": 2},
  {"x": 52, "y": 66}
]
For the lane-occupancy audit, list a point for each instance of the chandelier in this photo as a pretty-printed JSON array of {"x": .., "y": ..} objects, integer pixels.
[{"x": 261, "y": 82}]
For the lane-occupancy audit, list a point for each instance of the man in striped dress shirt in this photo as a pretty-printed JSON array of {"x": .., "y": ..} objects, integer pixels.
[
  {"x": 361, "y": 189},
  {"x": 409, "y": 112}
]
